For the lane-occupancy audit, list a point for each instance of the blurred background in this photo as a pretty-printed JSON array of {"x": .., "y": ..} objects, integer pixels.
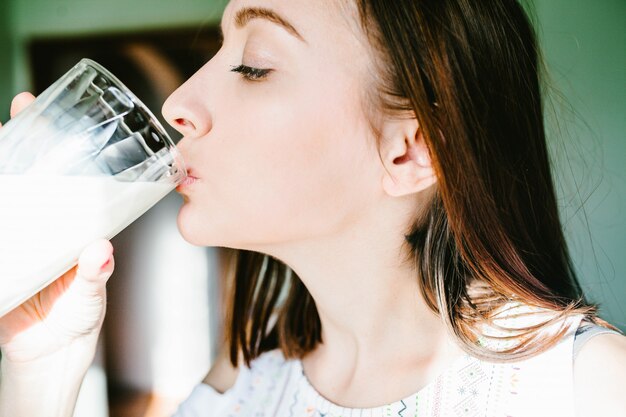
[{"x": 164, "y": 315}]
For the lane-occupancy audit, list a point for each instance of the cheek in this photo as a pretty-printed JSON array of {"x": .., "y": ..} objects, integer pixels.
[{"x": 280, "y": 169}]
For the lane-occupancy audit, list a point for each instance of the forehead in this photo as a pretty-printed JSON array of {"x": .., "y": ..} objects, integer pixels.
[{"x": 315, "y": 20}]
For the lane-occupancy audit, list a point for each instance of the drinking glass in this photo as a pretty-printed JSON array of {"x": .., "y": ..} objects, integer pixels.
[{"x": 82, "y": 162}]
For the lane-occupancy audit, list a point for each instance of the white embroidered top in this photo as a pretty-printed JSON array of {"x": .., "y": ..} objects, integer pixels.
[{"x": 539, "y": 386}]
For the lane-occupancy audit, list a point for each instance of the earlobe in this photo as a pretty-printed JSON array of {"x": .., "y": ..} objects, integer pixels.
[{"x": 407, "y": 160}]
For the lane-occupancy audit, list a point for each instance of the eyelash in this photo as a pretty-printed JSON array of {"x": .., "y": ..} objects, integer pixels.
[{"x": 250, "y": 73}]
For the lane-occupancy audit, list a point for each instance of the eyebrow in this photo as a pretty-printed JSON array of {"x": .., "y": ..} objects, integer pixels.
[{"x": 247, "y": 14}]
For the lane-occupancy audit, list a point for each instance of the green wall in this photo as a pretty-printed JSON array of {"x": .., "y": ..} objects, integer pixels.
[
  {"x": 585, "y": 48},
  {"x": 41, "y": 18},
  {"x": 584, "y": 44},
  {"x": 6, "y": 47},
  {"x": 36, "y": 17}
]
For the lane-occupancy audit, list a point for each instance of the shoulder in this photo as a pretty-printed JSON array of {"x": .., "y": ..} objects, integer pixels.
[
  {"x": 223, "y": 375},
  {"x": 599, "y": 376}
]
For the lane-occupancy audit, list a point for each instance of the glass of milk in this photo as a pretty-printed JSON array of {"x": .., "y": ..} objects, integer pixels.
[{"x": 82, "y": 162}]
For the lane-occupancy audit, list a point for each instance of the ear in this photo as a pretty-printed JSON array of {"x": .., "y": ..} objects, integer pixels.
[{"x": 406, "y": 158}]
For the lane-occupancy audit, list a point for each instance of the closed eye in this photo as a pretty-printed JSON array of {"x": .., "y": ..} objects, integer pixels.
[{"x": 251, "y": 73}]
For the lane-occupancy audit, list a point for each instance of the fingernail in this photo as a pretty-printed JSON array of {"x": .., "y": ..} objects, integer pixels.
[{"x": 106, "y": 263}]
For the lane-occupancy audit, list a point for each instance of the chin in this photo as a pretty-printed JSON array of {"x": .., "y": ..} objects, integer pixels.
[
  {"x": 196, "y": 230},
  {"x": 193, "y": 229},
  {"x": 187, "y": 229}
]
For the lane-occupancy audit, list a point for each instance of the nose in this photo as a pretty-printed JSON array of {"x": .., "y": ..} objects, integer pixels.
[{"x": 186, "y": 112}]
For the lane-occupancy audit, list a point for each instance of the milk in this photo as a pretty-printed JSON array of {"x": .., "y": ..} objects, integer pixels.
[{"x": 47, "y": 220}]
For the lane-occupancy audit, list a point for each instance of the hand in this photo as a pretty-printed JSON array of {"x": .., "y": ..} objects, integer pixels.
[{"x": 67, "y": 313}]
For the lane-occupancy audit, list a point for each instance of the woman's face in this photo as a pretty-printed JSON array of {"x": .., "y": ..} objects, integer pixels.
[{"x": 285, "y": 157}]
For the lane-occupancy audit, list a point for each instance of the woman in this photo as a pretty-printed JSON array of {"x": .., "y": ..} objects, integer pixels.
[{"x": 382, "y": 168}]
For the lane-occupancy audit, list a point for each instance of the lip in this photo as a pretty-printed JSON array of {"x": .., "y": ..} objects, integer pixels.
[{"x": 188, "y": 181}]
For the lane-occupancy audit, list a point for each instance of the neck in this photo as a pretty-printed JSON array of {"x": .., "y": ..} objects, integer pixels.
[{"x": 366, "y": 294}]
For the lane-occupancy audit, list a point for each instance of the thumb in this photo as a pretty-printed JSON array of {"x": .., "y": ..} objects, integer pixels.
[
  {"x": 81, "y": 308},
  {"x": 95, "y": 265}
]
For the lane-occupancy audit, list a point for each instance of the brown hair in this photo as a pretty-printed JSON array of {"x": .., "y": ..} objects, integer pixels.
[{"x": 469, "y": 72}]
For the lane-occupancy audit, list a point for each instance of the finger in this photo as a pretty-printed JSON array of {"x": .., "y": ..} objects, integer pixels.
[
  {"x": 81, "y": 308},
  {"x": 95, "y": 265},
  {"x": 20, "y": 102}
]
